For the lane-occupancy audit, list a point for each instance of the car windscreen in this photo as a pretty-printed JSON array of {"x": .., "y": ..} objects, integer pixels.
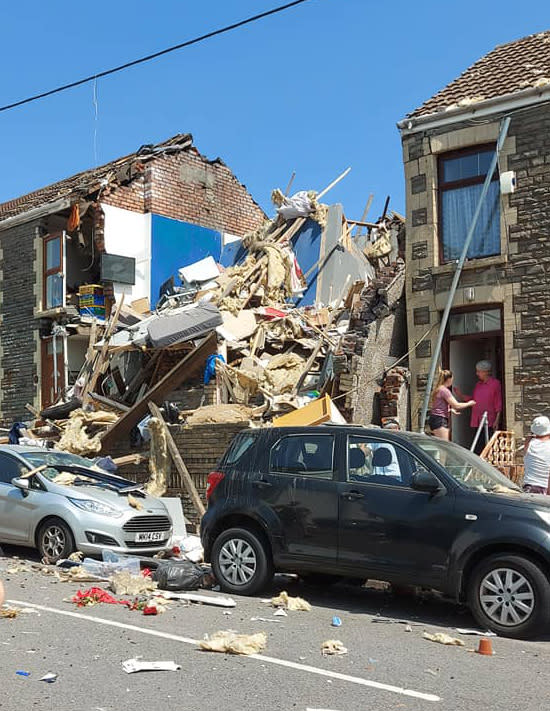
[
  {"x": 469, "y": 470},
  {"x": 66, "y": 468}
]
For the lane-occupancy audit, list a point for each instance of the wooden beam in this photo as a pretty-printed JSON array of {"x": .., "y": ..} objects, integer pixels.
[
  {"x": 171, "y": 381},
  {"x": 185, "y": 477}
]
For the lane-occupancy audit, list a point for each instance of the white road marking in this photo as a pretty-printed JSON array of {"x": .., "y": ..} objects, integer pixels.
[{"x": 260, "y": 657}]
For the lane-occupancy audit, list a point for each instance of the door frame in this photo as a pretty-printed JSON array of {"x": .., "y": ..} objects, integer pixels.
[{"x": 480, "y": 336}]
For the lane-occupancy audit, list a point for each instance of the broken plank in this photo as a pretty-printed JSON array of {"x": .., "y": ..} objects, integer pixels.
[
  {"x": 187, "y": 366},
  {"x": 113, "y": 404},
  {"x": 185, "y": 477}
]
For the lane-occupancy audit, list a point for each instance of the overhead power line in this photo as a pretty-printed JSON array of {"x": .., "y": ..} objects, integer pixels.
[{"x": 149, "y": 57}]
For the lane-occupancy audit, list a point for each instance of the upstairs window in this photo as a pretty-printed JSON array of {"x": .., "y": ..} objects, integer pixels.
[
  {"x": 461, "y": 178},
  {"x": 53, "y": 271}
]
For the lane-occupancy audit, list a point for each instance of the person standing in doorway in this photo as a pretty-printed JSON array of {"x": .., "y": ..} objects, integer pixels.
[
  {"x": 488, "y": 398},
  {"x": 537, "y": 458},
  {"x": 441, "y": 402}
]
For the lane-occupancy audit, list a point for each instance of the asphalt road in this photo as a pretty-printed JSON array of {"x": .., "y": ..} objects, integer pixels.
[{"x": 386, "y": 667}]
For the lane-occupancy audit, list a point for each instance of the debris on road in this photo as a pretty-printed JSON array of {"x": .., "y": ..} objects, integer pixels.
[
  {"x": 285, "y": 601},
  {"x": 333, "y": 646},
  {"x": 95, "y": 596},
  {"x": 263, "y": 619},
  {"x": 442, "y": 638},
  {"x": 336, "y": 622},
  {"x": 20, "y": 672},
  {"x": 49, "y": 678},
  {"x": 479, "y": 633},
  {"x": 217, "y": 601},
  {"x": 9, "y": 613},
  {"x": 280, "y": 612},
  {"x": 233, "y": 643},
  {"x": 124, "y": 583},
  {"x": 131, "y": 666}
]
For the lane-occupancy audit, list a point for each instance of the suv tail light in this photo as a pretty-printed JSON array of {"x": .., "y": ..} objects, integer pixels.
[{"x": 212, "y": 482}]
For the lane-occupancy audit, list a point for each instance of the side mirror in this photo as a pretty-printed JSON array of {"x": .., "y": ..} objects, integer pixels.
[
  {"x": 424, "y": 480},
  {"x": 22, "y": 484}
]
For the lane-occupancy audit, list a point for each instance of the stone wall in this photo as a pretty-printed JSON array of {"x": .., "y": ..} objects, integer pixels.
[
  {"x": 201, "y": 447},
  {"x": 517, "y": 280},
  {"x": 18, "y": 328}
]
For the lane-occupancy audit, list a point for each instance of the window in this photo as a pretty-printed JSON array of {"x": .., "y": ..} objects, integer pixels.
[
  {"x": 461, "y": 178},
  {"x": 53, "y": 271},
  {"x": 310, "y": 455},
  {"x": 10, "y": 468},
  {"x": 374, "y": 462},
  {"x": 240, "y": 445},
  {"x": 461, "y": 324}
]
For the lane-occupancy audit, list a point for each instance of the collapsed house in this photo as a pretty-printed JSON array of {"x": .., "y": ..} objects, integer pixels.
[{"x": 299, "y": 320}]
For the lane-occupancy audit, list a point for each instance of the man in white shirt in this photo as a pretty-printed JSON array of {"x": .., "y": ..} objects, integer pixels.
[{"x": 537, "y": 458}]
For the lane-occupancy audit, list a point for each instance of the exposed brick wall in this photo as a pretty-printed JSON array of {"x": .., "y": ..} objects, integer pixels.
[
  {"x": 201, "y": 447},
  {"x": 187, "y": 186},
  {"x": 394, "y": 397},
  {"x": 17, "y": 327}
]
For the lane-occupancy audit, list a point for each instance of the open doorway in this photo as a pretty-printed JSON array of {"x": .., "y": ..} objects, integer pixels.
[{"x": 472, "y": 335}]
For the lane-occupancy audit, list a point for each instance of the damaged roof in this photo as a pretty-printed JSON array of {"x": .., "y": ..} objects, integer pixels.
[
  {"x": 121, "y": 169},
  {"x": 507, "y": 69}
]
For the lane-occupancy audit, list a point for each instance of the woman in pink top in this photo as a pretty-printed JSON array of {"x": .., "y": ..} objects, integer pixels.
[{"x": 442, "y": 400}]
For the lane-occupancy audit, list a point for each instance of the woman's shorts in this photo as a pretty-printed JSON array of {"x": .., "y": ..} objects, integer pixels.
[{"x": 438, "y": 421}]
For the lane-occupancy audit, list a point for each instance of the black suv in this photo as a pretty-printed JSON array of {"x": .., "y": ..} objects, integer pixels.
[{"x": 394, "y": 506}]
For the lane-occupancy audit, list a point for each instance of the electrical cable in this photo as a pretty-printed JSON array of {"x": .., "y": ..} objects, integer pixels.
[{"x": 155, "y": 55}]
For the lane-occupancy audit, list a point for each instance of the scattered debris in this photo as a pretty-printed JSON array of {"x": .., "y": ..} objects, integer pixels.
[
  {"x": 49, "y": 678},
  {"x": 479, "y": 633},
  {"x": 20, "y": 672},
  {"x": 131, "y": 666},
  {"x": 217, "y": 601},
  {"x": 336, "y": 622},
  {"x": 124, "y": 583},
  {"x": 280, "y": 612},
  {"x": 95, "y": 596},
  {"x": 333, "y": 646},
  {"x": 286, "y": 602},
  {"x": 233, "y": 643},
  {"x": 442, "y": 638},
  {"x": 9, "y": 613},
  {"x": 262, "y": 619}
]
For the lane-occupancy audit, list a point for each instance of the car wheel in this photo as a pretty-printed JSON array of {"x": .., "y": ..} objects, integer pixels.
[
  {"x": 55, "y": 540},
  {"x": 241, "y": 561},
  {"x": 510, "y": 595}
]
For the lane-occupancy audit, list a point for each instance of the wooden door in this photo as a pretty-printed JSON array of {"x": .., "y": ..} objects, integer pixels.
[{"x": 49, "y": 394}]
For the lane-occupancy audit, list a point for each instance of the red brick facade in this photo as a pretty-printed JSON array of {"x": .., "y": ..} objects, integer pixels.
[{"x": 188, "y": 187}]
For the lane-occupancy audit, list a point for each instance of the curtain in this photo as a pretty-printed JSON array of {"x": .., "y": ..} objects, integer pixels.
[{"x": 458, "y": 207}]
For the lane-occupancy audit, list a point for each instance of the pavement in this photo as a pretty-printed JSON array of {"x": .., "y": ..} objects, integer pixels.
[{"x": 389, "y": 665}]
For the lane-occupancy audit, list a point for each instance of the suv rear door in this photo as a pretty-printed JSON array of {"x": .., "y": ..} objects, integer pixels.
[
  {"x": 386, "y": 526},
  {"x": 299, "y": 484}
]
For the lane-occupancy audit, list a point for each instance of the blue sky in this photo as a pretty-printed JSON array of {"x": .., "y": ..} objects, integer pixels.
[{"x": 315, "y": 89}]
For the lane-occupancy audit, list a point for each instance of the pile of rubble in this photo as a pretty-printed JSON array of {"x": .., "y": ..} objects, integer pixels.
[{"x": 259, "y": 340}]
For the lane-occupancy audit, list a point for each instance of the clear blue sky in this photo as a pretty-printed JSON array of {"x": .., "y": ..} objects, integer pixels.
[{"x": 315, "y": 89}]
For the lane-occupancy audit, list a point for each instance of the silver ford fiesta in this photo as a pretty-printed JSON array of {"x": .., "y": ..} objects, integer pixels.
[{"x": 67, "y": 505}]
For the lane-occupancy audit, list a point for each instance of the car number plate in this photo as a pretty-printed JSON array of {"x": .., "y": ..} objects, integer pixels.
[{"x": 149, "y": 537}]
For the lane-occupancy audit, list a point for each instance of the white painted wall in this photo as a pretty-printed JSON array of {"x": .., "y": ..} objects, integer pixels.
[{"x": 129, "y": 234}]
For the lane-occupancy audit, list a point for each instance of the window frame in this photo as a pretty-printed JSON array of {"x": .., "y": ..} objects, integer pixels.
[
  {"x": 304, "y": 474},
  {"x": 443, "y": 187},
  {"x": 13, "y": 461},
  {"x": 54, "y": 270},
  {"x": 397, "y": 446}
]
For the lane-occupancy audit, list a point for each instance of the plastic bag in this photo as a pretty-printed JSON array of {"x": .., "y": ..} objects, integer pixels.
[{"x": 180, "y": 575}]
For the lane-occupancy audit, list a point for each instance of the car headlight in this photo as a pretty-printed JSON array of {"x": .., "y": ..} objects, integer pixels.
[
  {"x": 544, "y": 515},
  {"x": 96, "y": 507}
]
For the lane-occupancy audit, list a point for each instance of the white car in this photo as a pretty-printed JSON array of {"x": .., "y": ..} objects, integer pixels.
[{"x": 69, "y": 506}]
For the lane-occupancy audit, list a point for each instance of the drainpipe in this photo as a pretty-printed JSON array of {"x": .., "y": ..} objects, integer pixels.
[{"x": 452, "y": 291}]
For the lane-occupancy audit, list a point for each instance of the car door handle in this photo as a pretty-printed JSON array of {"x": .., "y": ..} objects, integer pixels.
[
  {"x": 262, "y": 483},
  {"x": 352, "y": 495}
]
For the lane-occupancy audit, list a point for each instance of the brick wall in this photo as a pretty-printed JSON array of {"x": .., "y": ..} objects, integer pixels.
[
  {"x": 187, "y": 186},
  {"x": 18, "y": 358},
  {"x": 201, "y": 447}
]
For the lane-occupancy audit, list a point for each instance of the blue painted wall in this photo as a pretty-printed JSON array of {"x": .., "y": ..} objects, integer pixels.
[
  {"x": 176, "y": 244},
  {"x": 306, "y": 245}
]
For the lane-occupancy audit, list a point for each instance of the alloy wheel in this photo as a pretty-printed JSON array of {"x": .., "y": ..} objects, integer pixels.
[
  {"x": 53, "y": 541},
  {"x": 506, "y": 597},
  {"x": 237, "y": 561}
]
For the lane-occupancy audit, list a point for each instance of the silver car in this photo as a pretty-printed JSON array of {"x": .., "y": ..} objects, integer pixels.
[{"x": 68, "y": 506}]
